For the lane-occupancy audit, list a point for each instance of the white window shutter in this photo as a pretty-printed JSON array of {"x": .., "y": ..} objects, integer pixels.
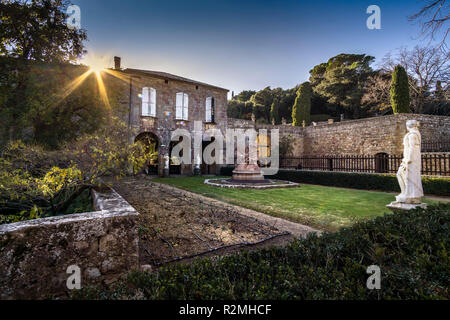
[
  {"x": 208, "y": 109},
  {"x": 186, "y": 107},
  {"x": 153, "y": 102},
  {"x": 179, "y": 107},
  {"x": 145, "y": 101}
]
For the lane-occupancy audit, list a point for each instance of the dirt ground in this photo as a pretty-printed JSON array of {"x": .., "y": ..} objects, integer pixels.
[{"x": 176, "y": 227}]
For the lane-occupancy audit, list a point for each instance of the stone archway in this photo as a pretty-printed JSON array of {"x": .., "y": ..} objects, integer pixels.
[
  {"x": 152, "y": 144},
  {"x": 382, "y": 163}
]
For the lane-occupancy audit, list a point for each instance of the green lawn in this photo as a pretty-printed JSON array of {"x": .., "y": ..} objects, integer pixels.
[{"x": 325, "y": 208}]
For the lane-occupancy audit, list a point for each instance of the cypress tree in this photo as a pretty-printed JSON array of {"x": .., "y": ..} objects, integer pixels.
[
  {"x": 274, "y": 112},
  {"x": 302, "y": 107},
  {"x": 400, "y": 99}
]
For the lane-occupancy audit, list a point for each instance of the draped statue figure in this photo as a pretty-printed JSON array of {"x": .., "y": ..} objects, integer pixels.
[{"x": 410, "y": 173}]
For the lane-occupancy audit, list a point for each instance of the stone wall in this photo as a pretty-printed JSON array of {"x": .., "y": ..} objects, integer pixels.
[
  {"x": 355, "y": 137},
  {"x": 370, "y": 136},
  {"x": 35, "y": 254}
]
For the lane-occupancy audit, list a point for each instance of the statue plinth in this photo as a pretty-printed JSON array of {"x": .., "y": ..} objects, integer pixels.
[
  {"x": 248, "y": 172},
  {"x": 400, "y": 206}
]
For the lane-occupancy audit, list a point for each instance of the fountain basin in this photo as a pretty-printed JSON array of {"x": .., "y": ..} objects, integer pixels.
[{"x": 242, "y": 184}]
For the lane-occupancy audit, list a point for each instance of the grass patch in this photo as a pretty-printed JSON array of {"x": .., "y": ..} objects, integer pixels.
[{"x": 325, "y": 208}]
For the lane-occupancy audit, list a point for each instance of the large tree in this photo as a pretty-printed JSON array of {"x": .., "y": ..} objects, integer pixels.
[
  {"x": 37, "y": 30},
  {"x": 244, "y": 96},
  {"x": 36, "y": 49},
  {"x": 341, "y": 81},
  {"x": 376, "y": 98},
  {"x": 262, "y": 101}
]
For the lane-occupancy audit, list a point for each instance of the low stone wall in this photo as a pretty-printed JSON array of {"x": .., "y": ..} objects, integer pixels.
[{"x": 36, "y": 254}]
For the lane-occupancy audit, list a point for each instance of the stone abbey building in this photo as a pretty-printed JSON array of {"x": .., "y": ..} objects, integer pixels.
[{"x": 160, "y": 103}]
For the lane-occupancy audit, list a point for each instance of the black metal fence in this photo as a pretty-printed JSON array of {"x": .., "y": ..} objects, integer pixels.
[{"x": 432, "y": 164}]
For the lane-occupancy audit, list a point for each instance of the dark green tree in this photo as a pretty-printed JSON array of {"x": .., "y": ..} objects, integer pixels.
[
  {"x": 32, "y": 32},
  {"x": 245, "y": 95},
  {"x": 262, "y": 101},
  {"x": 400, "y": 98},
  {"x": 275, "y": 111},
  {"x": 341, "y": 82},
  {"x": 37, "y": 30},
  {"x": 302, "y": 107}
]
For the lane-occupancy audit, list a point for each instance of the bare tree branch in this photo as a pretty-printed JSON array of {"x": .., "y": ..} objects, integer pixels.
[{"x": 433, "y": 17}]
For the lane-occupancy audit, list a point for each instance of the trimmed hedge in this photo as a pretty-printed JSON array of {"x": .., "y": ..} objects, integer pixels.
[
  {"x": 439, "y": 186},
  {"x": 431, "y": 185},
  {"x": 410, "y": 248}
]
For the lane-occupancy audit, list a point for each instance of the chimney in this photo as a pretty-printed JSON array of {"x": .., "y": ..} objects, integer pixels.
[{"x": 117, "y": 63}]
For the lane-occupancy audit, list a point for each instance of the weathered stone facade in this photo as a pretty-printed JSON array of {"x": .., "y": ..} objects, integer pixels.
[
  {"x": 164, "y": 123},
  {"x": 35, "y": 254},
  {"x": 369, "y": 136}
]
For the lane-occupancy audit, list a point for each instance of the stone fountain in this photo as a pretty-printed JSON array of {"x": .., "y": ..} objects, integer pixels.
[
  {"x": 248, "y": 173},
  {"x": 249, "y": 176}
]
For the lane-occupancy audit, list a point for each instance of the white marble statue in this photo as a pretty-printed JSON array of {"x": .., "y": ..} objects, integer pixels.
[{"x": 409, "y": 175}]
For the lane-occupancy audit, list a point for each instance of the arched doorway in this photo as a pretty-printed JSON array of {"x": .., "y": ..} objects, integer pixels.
[
  {"x": 205, "y": 168},
  {"x": 264, "y": 150},
  {"x": 382, "y": 163},
  {"x": 151, "y": 144},
  {"x": 175, "y": 162}
]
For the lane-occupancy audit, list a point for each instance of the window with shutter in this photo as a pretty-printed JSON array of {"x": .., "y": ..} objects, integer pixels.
[
  {"x": 208, "y": 110},
  {"x": 182, "y": 106},
  {"x": 145, "y": 102},
  {"x": 186, "y": 107},
  {"x": 152, "y": 102},
  {"x": 179, "y": 107}
]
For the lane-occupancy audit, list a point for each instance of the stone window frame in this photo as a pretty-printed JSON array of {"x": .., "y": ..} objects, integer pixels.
[
  {"x": 182, "y": 109},
  {"x": 210, "y": 118},
  {"x": 150, "y": 105}
]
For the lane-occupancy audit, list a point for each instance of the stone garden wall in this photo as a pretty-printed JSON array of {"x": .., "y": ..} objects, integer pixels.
[
  {"x": 355, "y": 137},
  {"x": 371, "y": 136},
  {"x": 35, "y": 254}
]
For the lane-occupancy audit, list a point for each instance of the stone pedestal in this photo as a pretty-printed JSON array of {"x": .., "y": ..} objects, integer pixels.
[
  {"x": 399, "y": 206},
  {"x": 248, "y": 172}
]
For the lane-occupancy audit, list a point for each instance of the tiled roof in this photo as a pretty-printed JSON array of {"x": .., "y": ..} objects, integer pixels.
[{"x": 165, "y": 75}]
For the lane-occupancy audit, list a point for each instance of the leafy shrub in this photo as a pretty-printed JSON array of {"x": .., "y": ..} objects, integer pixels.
[
  {"x": 410, "y": 248},
  {"x": 37, "y": 183},
  {"x": 381, "y": 182}
]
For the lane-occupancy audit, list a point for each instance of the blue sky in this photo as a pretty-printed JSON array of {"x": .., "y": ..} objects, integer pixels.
[{"x": 244, "y": 44}]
